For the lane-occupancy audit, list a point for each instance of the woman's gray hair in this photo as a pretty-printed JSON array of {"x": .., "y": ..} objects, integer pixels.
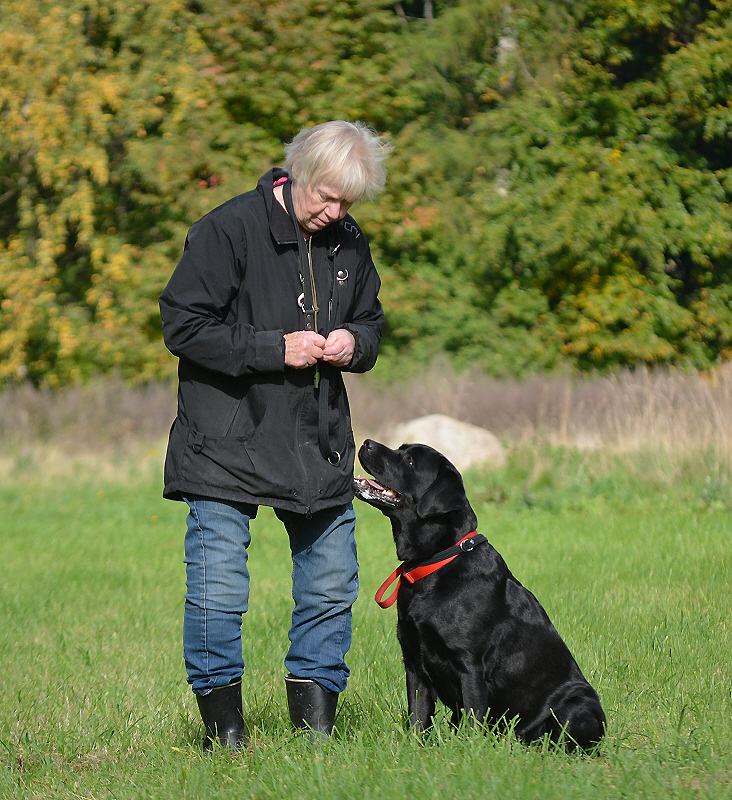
[{"x": 345, "y": 156}]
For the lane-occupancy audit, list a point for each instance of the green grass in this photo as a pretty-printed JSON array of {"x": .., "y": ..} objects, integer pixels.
[{"x": 634, "y": 573}]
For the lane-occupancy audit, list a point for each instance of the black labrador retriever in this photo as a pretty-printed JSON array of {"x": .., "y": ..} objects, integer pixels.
[{"x": 471, "y": 634}]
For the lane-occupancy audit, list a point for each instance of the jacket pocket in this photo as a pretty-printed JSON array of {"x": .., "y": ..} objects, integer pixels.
[
  {"x": 219, "y": 462},
  {"x": 263, "y": 464}
]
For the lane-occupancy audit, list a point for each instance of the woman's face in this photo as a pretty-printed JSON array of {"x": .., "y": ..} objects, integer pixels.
[{"x": 316, "y": 207}]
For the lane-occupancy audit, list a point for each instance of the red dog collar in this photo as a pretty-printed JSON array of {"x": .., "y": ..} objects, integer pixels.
[{"x": 465, "y": 545}]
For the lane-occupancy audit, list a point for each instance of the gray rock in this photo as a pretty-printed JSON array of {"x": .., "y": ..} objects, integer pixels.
[{"x": 464, "y": 444}]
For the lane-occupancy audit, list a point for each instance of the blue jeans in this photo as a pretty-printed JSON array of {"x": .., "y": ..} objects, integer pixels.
[{"x": 324, "y": 588}]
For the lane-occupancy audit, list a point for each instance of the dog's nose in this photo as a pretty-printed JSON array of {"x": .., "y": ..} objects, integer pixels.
[{"x": 367, "y": 448}]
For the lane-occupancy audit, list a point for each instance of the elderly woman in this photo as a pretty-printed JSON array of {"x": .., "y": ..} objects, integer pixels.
[{"x": 275, "y": 295}]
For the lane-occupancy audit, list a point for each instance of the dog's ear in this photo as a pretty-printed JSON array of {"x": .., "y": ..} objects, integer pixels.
[{"x": 446, "y": 494}]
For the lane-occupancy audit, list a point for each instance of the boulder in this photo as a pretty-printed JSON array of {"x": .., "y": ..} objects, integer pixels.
[{"x": 464, "y": 444}]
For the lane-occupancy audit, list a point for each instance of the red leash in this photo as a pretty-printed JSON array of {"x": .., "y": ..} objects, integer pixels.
[{"x": 465, "y": 545}]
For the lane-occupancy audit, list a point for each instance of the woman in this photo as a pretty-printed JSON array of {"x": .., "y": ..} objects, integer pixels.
[{"x": 275, "y": 295}]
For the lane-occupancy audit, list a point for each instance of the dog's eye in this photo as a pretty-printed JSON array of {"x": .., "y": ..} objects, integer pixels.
[{"x": 410, "y": 461}]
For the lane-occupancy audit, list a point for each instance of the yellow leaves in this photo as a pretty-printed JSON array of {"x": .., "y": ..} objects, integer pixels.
[
  {"x": 97, "y": 119},
  {"x": 25, "y": 292},
  {"x": 48, "y": 99},
  {"x": 68, "y": 337}
]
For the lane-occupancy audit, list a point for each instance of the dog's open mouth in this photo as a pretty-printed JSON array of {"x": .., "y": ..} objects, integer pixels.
[{"x": 373, "y": 492}]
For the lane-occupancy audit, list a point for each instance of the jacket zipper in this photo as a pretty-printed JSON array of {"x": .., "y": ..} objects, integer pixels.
[
  {"x": 308, "y": 496},
  {"x": 316, "y": 379},
  {"x": 312, "y": 284}
]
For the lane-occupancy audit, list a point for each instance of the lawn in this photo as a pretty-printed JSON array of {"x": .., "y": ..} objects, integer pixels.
[{"x": 634, "y": 573}]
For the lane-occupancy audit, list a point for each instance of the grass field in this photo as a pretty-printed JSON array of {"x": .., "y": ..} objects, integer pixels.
[{"x": 633, "y": 568}]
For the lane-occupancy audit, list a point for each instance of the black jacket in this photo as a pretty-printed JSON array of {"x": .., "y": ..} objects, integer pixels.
[{"x": 247, "y": 426}]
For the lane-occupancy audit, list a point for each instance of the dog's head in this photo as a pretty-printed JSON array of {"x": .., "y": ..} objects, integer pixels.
[{"x": 420, "y": 491}]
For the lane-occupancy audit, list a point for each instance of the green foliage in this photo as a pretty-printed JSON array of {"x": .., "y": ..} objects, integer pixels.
[
  {"x": 290, "y": 65},
  {"x": 559, "y": 195},
  {"x": 582, "y": 207}
]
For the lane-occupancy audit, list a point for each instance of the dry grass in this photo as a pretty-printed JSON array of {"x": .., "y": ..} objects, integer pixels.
[
  {"x": 105, "y": 413},
  {"x": 108, "y": 429},
  {"x": 625, "y": 411}
]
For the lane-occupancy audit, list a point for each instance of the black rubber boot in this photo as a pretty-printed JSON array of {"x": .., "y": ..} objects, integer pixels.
[
  {"x": 312, "y": 708},
  {"x": 223, "y": 718}
]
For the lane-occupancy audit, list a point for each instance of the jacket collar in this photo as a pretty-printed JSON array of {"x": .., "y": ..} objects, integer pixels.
[{"x": 280, "y": 225}]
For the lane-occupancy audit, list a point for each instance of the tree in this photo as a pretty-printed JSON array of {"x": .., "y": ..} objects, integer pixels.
[
  {"x": 560, "y": 191},
  {"x": 289, "y": 65},
  {"x": 583, "y": 206},
  {"x": 124, "y": 122},
  {"x": 113, "y": 141}
]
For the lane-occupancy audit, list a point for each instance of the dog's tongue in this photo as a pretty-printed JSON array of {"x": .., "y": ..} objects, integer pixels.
[
  {"x": 370, "y": 490},
  {"x": 371, "y": 484}
]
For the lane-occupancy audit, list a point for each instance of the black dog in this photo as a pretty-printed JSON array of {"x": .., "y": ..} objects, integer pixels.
[{"x": 470, "y": 633}]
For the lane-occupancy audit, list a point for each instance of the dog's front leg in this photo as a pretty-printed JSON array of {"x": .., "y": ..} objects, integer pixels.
[
  {"x": 474, "y": 706},
  {"x": 420, "y": 702}
]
